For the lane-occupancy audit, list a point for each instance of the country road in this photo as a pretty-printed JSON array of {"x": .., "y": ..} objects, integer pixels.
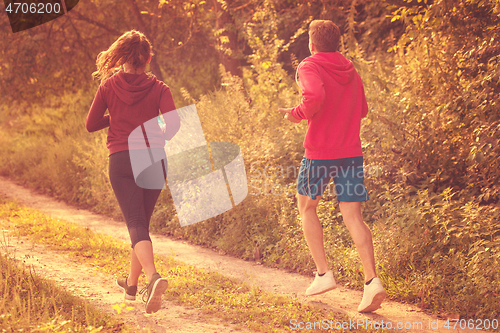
[{"x": 100, "y": 289}]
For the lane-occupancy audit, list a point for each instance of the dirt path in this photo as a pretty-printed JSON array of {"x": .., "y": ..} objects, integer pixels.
[
  {"x": 179, "y": 319},
  {"x": 100, "y": 290}
]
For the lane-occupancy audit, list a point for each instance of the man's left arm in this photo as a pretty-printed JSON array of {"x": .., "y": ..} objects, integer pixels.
[{"x": 364, "y": 107}]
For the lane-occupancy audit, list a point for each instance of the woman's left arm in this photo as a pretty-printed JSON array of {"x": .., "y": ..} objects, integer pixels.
[{"x": 170, "y": 115}]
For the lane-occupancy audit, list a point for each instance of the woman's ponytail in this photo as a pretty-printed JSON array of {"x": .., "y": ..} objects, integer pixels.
[{"x": 132, "y": 47}]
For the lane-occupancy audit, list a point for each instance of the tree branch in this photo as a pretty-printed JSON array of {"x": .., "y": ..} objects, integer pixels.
[
  {"x": 155, "y": 67},
  {"x": 82, "y": 17}
]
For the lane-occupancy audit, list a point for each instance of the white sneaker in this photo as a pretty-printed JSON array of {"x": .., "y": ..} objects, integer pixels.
[
  {"x": 321, "y": 284},
  {"x": 373, "y": 296}
]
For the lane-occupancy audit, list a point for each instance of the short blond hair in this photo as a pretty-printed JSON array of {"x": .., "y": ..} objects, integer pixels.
[{"x": 325, "y": 35}]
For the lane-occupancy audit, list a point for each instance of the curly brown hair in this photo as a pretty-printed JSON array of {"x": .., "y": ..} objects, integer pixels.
[
  {"x": 132, "y": 47},
  {"x": 325, "y": 35}
]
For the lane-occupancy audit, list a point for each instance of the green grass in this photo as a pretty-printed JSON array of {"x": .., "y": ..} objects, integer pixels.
[
  {"x": 211, "y": 292},
  {"x": 29, "y": 303}
]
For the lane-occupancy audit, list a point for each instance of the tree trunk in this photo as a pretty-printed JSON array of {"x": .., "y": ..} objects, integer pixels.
[
  {"x": 155, "y": 67},
  {"x": 224, "y": 20}
]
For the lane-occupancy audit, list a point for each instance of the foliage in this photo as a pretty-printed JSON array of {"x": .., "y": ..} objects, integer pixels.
[
  {"x": 47, "y": 147},
  {"x": 59, "y": 57},
  {"x": 431, "y": 138},
  {"x": 190, "y": 39},
  {"x": 447, "y": 245},
  {"x": 447, "y": 77}
]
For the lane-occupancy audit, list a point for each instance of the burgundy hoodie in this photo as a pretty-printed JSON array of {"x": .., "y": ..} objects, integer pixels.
[
  {"x": 132, "y": 100},
  {"x": 333, "y": 102}
]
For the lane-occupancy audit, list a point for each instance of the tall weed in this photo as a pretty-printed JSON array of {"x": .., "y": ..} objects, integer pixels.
[{"x": 32, "y": 304}]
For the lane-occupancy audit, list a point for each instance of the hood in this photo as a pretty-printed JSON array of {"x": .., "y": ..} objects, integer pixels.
[
  {"x": 131, "y": 88},
  {"x": 335, "y": 64}
]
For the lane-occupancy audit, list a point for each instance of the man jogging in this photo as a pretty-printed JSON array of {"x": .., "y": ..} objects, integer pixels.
[{"x": 333, "y": 103}]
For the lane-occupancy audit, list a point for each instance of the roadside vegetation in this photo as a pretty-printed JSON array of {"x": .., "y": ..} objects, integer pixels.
[
  {"x": 431, "y": 72},
  {"x": 29, "y": 303}
]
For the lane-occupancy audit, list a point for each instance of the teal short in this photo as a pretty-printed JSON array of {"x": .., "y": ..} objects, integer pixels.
[{"x": 347, "y": 173}]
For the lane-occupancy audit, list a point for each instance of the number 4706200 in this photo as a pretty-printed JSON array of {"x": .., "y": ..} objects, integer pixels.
[
  {"x": 33, "y": 8},
  {"x": 478, "y": 324}
]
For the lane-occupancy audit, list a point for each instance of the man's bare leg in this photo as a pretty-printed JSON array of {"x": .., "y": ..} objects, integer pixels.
[
  {"x": 313, "y": 231},
  {"x": 361, "y": 235},
  {"x": 374, "y": 292}
]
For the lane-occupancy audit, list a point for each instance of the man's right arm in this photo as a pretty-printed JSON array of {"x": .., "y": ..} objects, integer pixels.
[{"x": 313, "y": 92}]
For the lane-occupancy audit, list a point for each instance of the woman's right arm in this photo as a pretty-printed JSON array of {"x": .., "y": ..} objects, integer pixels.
[{"x": 96, "y": 119}]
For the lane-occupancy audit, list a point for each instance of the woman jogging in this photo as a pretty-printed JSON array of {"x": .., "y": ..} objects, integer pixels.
[{"x": 132, "y": 98}]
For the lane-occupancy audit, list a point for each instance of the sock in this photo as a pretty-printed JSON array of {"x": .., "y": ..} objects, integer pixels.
[
  {"x": 322, "y": 274},
  {"x": 367, "y": 283}
]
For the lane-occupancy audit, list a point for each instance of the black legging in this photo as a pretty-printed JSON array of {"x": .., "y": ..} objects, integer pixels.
[{"x": 137, "y": 204}]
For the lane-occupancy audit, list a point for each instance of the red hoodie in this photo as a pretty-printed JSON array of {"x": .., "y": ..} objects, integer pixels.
[
  {"x": 333, "y": 102},
  {"x": 131, "y": 100}
]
